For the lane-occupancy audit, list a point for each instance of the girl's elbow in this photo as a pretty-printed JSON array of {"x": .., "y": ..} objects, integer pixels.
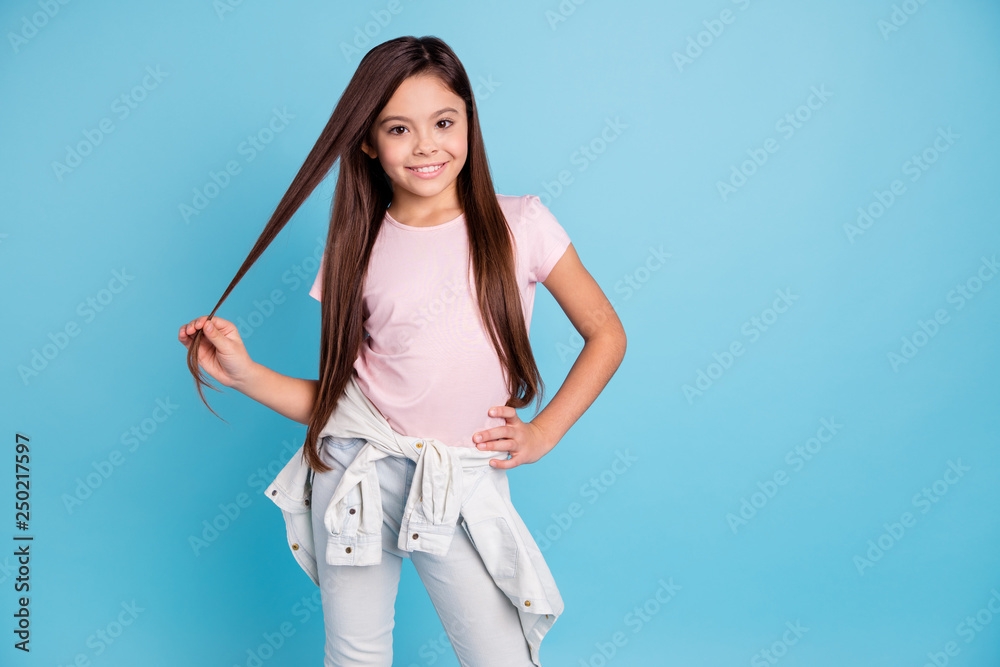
[
  {"x": 612, "y": 336},
  {"x": 622, "y": 343}
]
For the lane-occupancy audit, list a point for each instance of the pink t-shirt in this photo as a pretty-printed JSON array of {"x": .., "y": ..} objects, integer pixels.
[{"x": 427, "y": 363}]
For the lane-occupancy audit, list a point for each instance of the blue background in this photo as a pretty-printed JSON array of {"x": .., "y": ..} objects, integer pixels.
[{"x": 821, "y": 543}]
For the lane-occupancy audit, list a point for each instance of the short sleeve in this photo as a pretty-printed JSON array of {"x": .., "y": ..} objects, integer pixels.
[
  {"x": 317, "y": 287},
  {"x": 545, "y": 239}
]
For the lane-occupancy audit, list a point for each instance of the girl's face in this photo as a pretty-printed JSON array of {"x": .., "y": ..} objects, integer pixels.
[{"x": 423, "y": 125}]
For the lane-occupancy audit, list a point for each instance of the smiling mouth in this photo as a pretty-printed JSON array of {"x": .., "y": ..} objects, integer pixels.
[{"x": 430, "y": 169}]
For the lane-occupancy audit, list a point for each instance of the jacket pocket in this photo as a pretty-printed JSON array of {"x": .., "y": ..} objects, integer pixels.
[{"x": 495, "y": 543}]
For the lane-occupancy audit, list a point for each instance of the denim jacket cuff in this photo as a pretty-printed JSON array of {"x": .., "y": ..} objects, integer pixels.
[
  {"x": 353, "y": 550},
  {"x": 431, "y": 538}
]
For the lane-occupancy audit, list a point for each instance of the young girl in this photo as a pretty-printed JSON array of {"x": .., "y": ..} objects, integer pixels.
[{"x": 426, "y": 288}]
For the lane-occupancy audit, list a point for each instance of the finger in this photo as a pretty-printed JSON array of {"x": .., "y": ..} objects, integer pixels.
[
  {"x": 217, "y": 336},
  {"x": 191, "y": 328},
  {"x": 500, "y": 463},
  {"x": 184, "y": 335},
  {"x": 220, "y": 325},
  {"x": 495, "y": 436},
  {"x": 202, "y": 321},
  {"x": 500, "y": 445},
  {"x": 483, "y": 438},
  {"x": 504, "y": 411},
  {"x": 486, "y": 440}
]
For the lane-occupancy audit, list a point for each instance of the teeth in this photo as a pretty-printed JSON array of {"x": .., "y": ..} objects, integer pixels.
[{"x": 427, "y": 170}]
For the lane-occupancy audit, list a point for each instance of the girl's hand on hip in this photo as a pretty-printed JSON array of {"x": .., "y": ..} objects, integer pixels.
[
  {"x": 221, "y": 352},
  {"x": 526, "y": 442}
]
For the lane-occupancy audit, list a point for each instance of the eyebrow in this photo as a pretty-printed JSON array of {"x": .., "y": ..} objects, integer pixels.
[{"x": 405, "y": 119}]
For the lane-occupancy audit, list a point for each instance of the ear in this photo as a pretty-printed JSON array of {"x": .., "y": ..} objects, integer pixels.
[{"x": 368, "y": 150}]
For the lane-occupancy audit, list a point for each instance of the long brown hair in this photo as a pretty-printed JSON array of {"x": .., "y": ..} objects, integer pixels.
[{"x": 363, "y": 192}]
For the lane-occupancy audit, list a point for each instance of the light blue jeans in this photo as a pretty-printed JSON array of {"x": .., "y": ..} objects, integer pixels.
[{"x": 359, "y": 600}]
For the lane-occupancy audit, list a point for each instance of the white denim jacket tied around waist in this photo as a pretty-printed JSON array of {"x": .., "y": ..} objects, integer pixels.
[{"x": 449, "y": 483}]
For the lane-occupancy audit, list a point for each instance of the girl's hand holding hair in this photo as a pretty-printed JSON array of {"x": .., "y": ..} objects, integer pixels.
[
  {"x": 525, "y": 441},
  {"x": 221, "y": 353}
]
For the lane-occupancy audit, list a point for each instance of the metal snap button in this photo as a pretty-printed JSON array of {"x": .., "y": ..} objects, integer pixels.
[
  {"x": 419, "y": 445},
  {"x": 307, "y": 502},
  {"x": 295, "y": 547},
  {"x": 274, "y": 493},
  {"x": 415, "y": 536},
  {"x": 527, "y": 603},
  {"x": 351, "y": 511},
  {"x": 348, "y": 549}
]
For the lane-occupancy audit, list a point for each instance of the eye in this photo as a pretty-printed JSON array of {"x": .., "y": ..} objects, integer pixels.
[{"x": 392, "y": 130}]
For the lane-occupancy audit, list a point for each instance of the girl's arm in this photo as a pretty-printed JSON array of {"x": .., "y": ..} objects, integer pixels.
[
  {"x": 593, "y": 316},
  {"x": 223, "y": 356},
  {"x": 292, "y": 397}
]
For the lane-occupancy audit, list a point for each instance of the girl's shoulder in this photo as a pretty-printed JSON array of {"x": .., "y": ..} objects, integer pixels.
[
  {"x": 511, "y": 205},
  {"x": 536, "y": 231},
  {"x": 523, "y": 210}
]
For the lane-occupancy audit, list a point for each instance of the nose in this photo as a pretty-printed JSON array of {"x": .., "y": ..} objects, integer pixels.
[{"x": 425, "y": 144}]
